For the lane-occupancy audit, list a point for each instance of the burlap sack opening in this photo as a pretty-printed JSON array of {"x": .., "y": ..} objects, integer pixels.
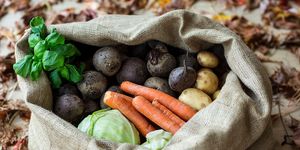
[{"x": 236, "y": 120}]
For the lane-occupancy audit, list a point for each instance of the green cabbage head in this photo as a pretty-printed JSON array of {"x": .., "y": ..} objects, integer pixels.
[
  {"x": 157, "y": 140},
  {"x": 110, "y": 125}
]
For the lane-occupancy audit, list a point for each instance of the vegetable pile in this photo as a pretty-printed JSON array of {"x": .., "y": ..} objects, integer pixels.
[{"x": 123, "y": 91}]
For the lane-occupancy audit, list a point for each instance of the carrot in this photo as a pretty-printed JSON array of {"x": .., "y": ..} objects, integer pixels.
[
  {"x": 168, "y": 113},
  {"x": 182, "y": 110},
  {"x": 124, "y": 105},
  {"x": 154, "y": 114}
]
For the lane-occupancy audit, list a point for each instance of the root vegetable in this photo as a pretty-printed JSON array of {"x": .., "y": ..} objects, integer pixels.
[
  {"x": 168, "y": 113},
  {"x": 134, "y": 70},
  {"x": 182, "y": 110},
  {"x": 90, "y": 106},
  {"x": 69, "y": 107},
  {"x": 207, "y": 59},
  {"x": 160, "y": 63},
  {"x": 124, "y": 105},
  {"x": 154, "y": 114},
  {"x": 182, "y": 78},
  {"x": 189, "y": 59},
  {"x": 216, "y": 94},
  {"x": 107, "y": 60},
  {"x": 195, "y": 98},
  {"x": 159, "y": 84},
  {"x": 93, "y": 85},
  {"x": 113, "y": 88},
  {"x": 207, "y": 81},
  {"x": 68, "y": 89}
]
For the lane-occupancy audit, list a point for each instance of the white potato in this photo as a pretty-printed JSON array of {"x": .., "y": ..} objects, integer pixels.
[
  {"x": 216, "y": 94},
  {"x": 207, "y": 81},
  {"x": 195, "y": 98},
  {"x": 207, "y": 59}
]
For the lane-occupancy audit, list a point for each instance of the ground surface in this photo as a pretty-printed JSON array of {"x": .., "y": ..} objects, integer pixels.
[{"x": 279, "y": 60}]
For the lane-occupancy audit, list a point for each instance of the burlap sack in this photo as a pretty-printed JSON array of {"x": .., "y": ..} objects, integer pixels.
[{"x": 238, "y": 119}]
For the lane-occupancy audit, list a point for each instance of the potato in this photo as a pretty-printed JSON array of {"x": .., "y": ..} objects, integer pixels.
[
  {"x": 107, "y": 60},
  {"x": 182, "y": 78},
  {"x": 69, "y": 107},
  {"x": 67, "y": 89},
  {"x": 216, "y": 94},
  {"x": 207, "y": 81},
  {"x": 93, "y": 85},
  {"x": 195, "y": 98},
  {"x": 159, "y": 84},
  {"x": 90, "y": 106},
  {"x": 133, "y": 69},
  {"x": 207, "y": 59}
]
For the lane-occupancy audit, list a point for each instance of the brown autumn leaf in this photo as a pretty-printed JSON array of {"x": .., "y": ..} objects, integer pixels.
[
  {"x": 252, "y": 4},
  {"x": 280, "y": 15},
  {"x": 69, "y": 15},
  {"x": 286, "y": 81},
  {"x": 18, "y": 5},
  {"x": 11, "y": 135},
  {"x": 255, "y": 36}
]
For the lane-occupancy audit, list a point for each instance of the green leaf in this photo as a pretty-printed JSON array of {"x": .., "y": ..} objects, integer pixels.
[
  {"x": 36, "y": 70},
  {"x": 54, "y": 38},
  {"x": 67, "y": 50},
  {"x": 64, "y": 73},
  {"x": 37, "y": 25},
  {"x": 40, "y": 48},
  {"x": 52, "y": 60},
  {"x": 23, "y": 66},
  {"x": 55, "y": 79},
  {"x": 81, "y": 67},
  {"x": 75, "y": 75},
  {"x": 33, "y": 39}
]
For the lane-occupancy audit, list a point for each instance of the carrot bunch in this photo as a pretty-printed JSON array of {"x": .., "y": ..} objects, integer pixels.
[{"x": 149, "y": 104}]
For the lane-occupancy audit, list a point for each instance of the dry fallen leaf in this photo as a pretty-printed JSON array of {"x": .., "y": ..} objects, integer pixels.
[
  {"x": 281, "y": 15},
  {"x": 255, "y": 36}
]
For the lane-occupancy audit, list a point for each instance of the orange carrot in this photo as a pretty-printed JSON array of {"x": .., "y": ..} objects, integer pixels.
[
  {"x": 182, "y": 110},
  {"x": 168, "y": 113},
  {"x": 154, "y": 114},
  {"x": 118, "y": 101}
]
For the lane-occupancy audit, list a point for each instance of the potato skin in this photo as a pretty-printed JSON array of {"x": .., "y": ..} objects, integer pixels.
[
  {"x": 207, "y": 81},
  {"x": 207, "y": 59},
  {"x": 93, "y": 85},
  {"x": 133, "y": 69},
  {"x": 68, "y": 89},
  {"x": 69, "y": 107},
  {"x": 107, "y": 60},
  {"x": 195, "y": 98},
  {"x": 216, "y": 94},
  {"x": 159, "y": 84}
]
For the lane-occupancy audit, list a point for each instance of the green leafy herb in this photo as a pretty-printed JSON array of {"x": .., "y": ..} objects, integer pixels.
[
  {"x": 55, "y": 79},
  {"x": 67, "y": 50},
  {"x": 52, "y": 60},
  {"x": 36, "y": 70},
  {"x": 33, "y": 39},
  {"x": 37, "y": 25},
  {"x": 54, "y": 38},
  {"x": 64, "y": 72},
  {"x": 75, "y": 75},
  {"x": 40, "y": 48},
  {"x": 23, "y": 67},
  {"x": 51, "y": 54}
]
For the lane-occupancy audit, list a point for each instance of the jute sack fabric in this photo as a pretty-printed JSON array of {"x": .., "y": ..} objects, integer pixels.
[{"x": 238, "y": 119}]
